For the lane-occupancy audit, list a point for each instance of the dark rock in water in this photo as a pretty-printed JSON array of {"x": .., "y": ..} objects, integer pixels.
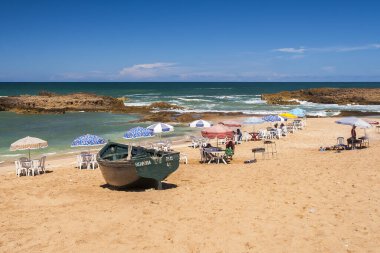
[
  {"x": 52, "y": 103},
  {"x": 357, "y": 113},
  {"x": 340, "y": 96}
]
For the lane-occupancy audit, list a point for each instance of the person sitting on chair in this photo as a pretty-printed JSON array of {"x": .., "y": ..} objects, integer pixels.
[
  {"x": 231, "y": 145},
  {"x": 230, "y": 149}
]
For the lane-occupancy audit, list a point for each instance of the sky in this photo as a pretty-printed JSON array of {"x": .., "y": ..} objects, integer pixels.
[{"x": 183, "y": 40}]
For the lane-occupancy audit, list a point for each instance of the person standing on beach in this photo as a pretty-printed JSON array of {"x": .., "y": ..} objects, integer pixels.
[
  {"x": 352, "y": 140},
  {"x": 353, "y": 132}
]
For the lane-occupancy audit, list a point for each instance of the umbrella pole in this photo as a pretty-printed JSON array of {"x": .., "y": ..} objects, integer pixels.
[{"x": 29, "y": 154}]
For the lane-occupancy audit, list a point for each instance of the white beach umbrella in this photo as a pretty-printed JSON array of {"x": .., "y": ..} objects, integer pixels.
[
  {"x": 28, "y": 143},
  {"x": 161, "y": 128},
  {"x": 353, "y": 121},
  {"x": 200, "y": 123}
]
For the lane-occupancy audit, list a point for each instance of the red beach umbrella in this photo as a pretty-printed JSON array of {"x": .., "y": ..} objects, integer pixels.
[
  {"x": 218, "y": 131},
  {"x": 231, "y": 123}
]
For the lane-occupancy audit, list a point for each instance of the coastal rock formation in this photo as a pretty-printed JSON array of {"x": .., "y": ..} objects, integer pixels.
[
  {"x": 52, "y": 103},
  {"x": 340, "y": 96}
]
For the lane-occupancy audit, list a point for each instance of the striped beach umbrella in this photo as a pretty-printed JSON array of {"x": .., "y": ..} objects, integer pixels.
[
  {"x": 138, "y": 132},
  {"x": 28, "y": 143},
  {"x": 161, "y": 128},
  {"x": 88, "y": 140},
  {"x": 200, "y": 123},
  {"x": 219, "y": 131}
]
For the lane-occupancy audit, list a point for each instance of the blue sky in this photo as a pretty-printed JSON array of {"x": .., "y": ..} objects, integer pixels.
[{"x": 186, "y": 40}]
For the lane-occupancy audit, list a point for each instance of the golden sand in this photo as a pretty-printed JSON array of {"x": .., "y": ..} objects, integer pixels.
[{"x": 303, "y": 201}]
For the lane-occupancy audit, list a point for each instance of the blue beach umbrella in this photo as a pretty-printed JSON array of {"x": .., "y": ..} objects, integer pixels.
[
  {"x": 273, "y": 118},
  {"x": 88, "y": 140},
  {"x": 138, "y": 132},
  {"x": 298, "y": 112},
  {"x": 200, "y": 123},
  {"x": 253, "y": 121}
]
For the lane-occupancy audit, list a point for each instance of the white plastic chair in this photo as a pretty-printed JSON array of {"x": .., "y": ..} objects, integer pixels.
[
  {"x": 246, "y": 136},
  {"x": 94, "y": 162},
  {"x": 41, "y": 164},
  {"x": 183, "y": 156},
  {"x": 19, "y": 168},
  {"x": 82, "y": 161},
  {"x": 34, "y": 168}
]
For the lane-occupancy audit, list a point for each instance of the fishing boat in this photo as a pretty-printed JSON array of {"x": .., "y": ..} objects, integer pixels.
[{"x": 130, "y": 166}]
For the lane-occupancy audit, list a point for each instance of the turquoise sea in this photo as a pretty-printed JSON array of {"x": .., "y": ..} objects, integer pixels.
[{"x": 60, "y": 130}]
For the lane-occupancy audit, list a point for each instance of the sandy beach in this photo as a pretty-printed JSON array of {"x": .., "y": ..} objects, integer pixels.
[{"x": 303, "y": 201}]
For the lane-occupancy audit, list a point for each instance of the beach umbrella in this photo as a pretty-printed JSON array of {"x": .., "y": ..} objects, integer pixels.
[
  {"x": 288, "y": 115},
  {"x": 161, "y": 128},
  {"x": 28, "y": 143},
  {"x": 88, "y": 140},
  {"x": 273, "y": 118},
  {"x": 138, "y": 132},
  {"x": 231, "y": 123},
  {"x": 298, "y": 112},
  {"x": 200, "y": 123},
  {"x": 253, "y": 121},
  {"x": 353, "y": 121},
  {"x": 218, "y": 131}
]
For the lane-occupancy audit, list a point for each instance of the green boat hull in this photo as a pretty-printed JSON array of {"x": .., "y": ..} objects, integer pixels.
[{"x": 141, "y": 167}]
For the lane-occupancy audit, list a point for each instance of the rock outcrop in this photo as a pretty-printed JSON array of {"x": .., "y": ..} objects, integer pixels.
[
  {"x": 53, "y": 103},
  {"x": 326, "y": 96}
]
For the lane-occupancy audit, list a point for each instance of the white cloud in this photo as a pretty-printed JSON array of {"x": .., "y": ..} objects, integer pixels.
[
  {"x": 149, "y": 70},
  {"x": 300, "y": 50},
  {"x": 340, "y": 49}
]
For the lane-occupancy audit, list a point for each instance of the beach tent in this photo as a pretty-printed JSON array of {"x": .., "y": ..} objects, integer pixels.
[
  {"x": 298, "y": 112},
  {"x": 138, "y": 132},
  {"x": 88, "y": 140},
  {"x": 200, "y": 123},
  {"x": 218, "y": 131},
  {"x": 28, "y": 143},
  {"x": 160, "y": 128}
]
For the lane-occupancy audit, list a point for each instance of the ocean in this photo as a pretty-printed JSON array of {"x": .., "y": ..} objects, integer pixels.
[{"x": 60, "y": 130}]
